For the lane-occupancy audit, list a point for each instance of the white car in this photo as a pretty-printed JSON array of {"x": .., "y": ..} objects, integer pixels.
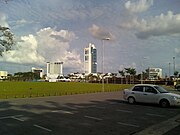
[{"x": 148, "y": 93}]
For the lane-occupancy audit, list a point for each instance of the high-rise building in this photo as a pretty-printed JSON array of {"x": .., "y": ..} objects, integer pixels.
[
  {"x": 90, "y": 59},
  {"x": 54, "y": 69}
]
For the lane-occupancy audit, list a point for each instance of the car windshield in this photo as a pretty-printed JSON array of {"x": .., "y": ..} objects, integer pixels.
[{"x": 160, "y": 89}]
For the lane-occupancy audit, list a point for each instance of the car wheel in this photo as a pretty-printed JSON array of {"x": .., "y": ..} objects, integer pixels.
[
  {"x": 131, "y": 100},
  {"x": 164, "y": 103}
]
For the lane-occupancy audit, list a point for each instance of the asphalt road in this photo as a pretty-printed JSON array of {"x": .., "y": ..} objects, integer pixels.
[{"x": 87, "y": 114}]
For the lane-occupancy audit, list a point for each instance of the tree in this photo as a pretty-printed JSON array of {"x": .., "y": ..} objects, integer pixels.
[
  {"x": 6, "y": 39},
  {"x": 176, "y": 73},
  {"x": 92, "y": 77},
  {"x": 122, "y": 73},
  {"x": 128, "y": 74},
  {"x": 131, "y": 72},
  {"x": 25, "y": 76},
  {"x": 146, "y": 74},
  {"x": 114, "y": 76}
]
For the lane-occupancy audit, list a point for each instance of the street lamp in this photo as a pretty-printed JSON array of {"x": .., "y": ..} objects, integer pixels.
[
  {"x": 103, "y": 39},
  {"x": 169, "y": 70},
  {"x": 142, "y": 69},
  {"x": 174, "y": 64}
]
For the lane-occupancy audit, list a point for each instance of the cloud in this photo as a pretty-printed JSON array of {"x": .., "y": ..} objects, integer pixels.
[
  {"x": 100, "y": 33},
  {"x": 162, "y": 25},
  {"x": 177, "y": 51},
  {"x": 54, "y": 46},
  {"x": 20, "y": 22},
  {"x": 63, "y": 35},
  {"x": 139, "y": 6},
  {"x": 46, "y": 45},
  {"x": 3, "y": 21},
  {"x": 24, "y": 52}
]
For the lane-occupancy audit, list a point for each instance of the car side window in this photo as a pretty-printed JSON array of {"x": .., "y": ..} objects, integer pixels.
[
  {"x": 138, "y": 88},
  {"x": 150, "y": 89}
]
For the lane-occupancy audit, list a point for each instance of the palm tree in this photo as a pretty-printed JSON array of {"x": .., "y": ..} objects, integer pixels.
[
  {"x": 128, "y": 71},
  {"x": 122, "y": 73},
  {"x": 131, "y": 72},
  {"x": 176, "y": 73},
  {"x": 114, "y": 75}
]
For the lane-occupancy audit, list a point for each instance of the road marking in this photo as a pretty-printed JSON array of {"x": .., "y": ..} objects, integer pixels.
[
  {"x": 69, "y": 107},
  {"x": 91, "y": 106},
  {"x": 62, "y": 111},
  {"x": 43, "y": 128},
  {"x": 143, "y": 118},
  {"x": 94, "y": 118},
  {"x": 78, "y": 106},
  {"x": 156, "y": 115},
  {"x": 6, "y": 117},
  {"x": 99, "y": 107},
  {"x": 127, "y": 124},
  {"x": 17, "y": 119},
  {"x": 11, "y": 116},
  {"x": 112, "y": 103},
  {"x": 125, "y": 111}
]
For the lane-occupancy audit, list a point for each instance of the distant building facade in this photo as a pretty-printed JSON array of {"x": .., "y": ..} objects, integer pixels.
[
  {"x": 155, "y": 73},
  {"x": 54, "y": 69},
  {"x": 3, "y": 75},
  {"x": 90, "y": 59},
  {"x": 38, "y": 71}
]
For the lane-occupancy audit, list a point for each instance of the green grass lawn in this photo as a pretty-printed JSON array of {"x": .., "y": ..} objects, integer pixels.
[{"x": 40, "y": 89}]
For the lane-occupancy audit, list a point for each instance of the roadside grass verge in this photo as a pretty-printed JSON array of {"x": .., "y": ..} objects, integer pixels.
[{"x": 41, "y": 89}]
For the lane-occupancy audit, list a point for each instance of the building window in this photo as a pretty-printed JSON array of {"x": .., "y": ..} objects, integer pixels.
[
  {"x": 86, "y": 51},
  {"x": 86, "y": 58}
]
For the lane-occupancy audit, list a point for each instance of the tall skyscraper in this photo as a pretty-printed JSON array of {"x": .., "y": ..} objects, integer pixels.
[{"x": 90, "y": 59}]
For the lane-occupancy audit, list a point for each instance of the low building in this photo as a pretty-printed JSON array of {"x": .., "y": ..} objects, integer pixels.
[
  {"x": 76, "y": 77},
  {"x": 38, "y": 71},
  {"x": 154, "y": 73},
  {"x": 3, "y": 75}
]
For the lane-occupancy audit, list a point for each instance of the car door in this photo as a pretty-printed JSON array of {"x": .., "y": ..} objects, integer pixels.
[
  {"x": 137, "y": 92},
  {"x": 150, "y": 95}
]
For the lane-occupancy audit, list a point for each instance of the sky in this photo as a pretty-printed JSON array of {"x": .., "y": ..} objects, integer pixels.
[{"x": 143, "y": 33}]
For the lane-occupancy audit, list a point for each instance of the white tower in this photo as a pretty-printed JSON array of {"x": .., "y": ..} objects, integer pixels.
[{"x": 90, "y": 59}]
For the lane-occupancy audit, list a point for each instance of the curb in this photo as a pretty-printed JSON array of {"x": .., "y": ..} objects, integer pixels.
[{"x": 162, "y": 127}]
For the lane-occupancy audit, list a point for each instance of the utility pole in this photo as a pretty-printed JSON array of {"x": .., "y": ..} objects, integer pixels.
[
  {"x": 103, "y": 62},
  {"x": 174, "y": 65},
  {"x": 169, "y": 69}
]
